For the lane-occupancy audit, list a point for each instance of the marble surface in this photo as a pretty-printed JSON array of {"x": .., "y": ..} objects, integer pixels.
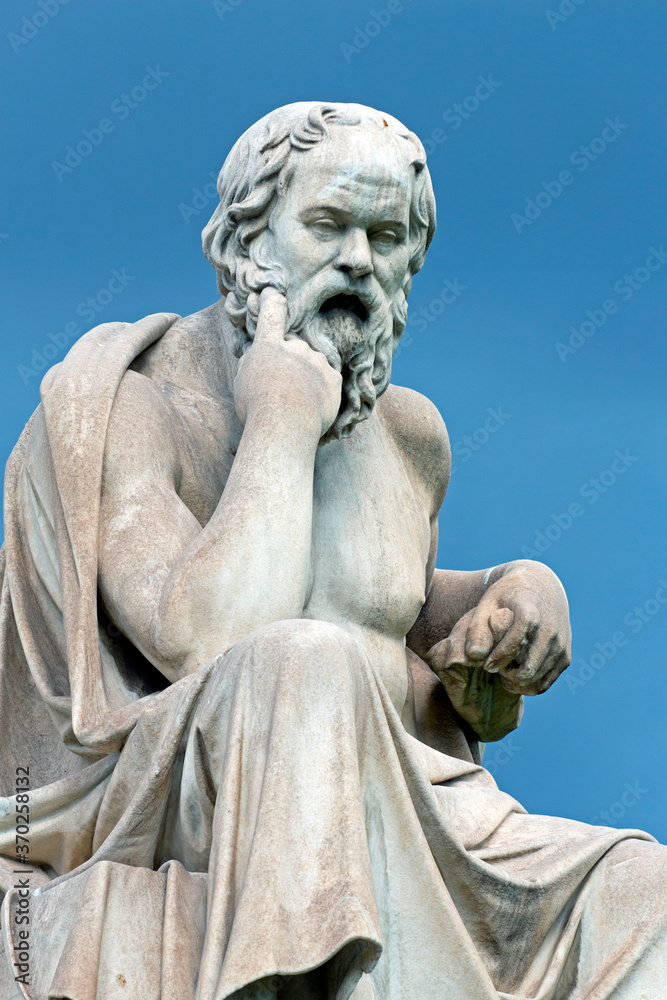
[{"x": 250, "y": 706}]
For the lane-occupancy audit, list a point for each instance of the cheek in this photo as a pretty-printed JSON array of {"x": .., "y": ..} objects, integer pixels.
[
  {"x": 391, "y": 270},
  {"x": 283, "y": 243},
  {"x": 302, "y": 255}
]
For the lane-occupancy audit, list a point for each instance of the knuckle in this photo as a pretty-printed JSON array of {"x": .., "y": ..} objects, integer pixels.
[
  {"x": 531, "y": 620},
  {"x": 527, "y": 669},
  {"x": 528, "y": 610}
]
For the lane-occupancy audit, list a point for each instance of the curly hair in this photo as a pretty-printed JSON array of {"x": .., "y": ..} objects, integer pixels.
[{"x": 257, "y": 170}]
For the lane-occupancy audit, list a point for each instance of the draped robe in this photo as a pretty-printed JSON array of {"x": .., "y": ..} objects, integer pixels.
[{"x": 265, "y": 824}]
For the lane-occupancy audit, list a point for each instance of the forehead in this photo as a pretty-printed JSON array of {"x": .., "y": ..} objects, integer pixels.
[{"x": 354, "y": 172}]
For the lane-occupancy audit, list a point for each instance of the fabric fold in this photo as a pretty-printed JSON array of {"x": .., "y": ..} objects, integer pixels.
[
  {"x": 268, "y": 817},
  {"x": 52, "y": 499},
  {"x": 116, "y": 931}
]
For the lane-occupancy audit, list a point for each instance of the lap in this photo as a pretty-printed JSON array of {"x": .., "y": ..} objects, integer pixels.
[
  {"x": 291, "y": 732},
  {"x": 527, "y": 845}
]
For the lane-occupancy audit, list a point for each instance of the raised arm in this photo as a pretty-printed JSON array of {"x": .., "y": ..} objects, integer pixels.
[{"x": 182, "y": 593}]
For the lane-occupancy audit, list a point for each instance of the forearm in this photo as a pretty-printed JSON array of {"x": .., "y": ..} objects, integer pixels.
[
  {"x": 249, "y": 566},
  {"x": 452, "y": 593}
]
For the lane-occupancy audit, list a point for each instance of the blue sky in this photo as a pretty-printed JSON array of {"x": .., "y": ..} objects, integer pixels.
[{"x": 537, "y": 323}]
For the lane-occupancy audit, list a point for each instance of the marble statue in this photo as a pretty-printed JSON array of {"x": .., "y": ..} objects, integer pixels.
[{"x": 241, "y": 709}]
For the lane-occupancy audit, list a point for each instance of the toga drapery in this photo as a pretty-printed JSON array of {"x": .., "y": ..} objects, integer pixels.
[{"x": 249, "y": 830}]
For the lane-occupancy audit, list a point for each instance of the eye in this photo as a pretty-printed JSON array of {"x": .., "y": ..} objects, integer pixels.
[
  {"x": 385, "y": 237},
  {"x": 324, "y": 227}
]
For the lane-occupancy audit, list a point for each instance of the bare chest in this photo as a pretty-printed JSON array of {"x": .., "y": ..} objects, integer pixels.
[
  {"x": 371, "y": 535},
  {"x": 370, "y": 528}
]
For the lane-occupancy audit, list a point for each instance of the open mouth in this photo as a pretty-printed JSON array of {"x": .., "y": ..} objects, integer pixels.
[{"x": 346, "y": 303}]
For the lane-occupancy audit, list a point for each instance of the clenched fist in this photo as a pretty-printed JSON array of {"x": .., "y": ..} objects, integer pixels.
[
  {"x": 284, "y": 375},
  {"x": 519, "y": 630}
]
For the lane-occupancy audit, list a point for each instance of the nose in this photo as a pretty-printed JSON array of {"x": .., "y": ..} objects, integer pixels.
[{"x": 354, "y": 256}]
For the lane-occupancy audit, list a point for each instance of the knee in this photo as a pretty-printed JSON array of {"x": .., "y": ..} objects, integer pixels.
[
  {"x": 310, "y": 635},
  {"x": 299, "y": 649},
  {"x": 636, "y": 853},
  {"x": 297, "y": 680},
  {"x": 635, "y": 872}
]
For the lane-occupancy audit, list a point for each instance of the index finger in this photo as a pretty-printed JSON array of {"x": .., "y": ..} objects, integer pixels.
[{"x": 272, "y": 317}]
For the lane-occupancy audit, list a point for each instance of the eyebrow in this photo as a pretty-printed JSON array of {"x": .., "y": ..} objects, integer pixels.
[{"x": 333, "y": 209}]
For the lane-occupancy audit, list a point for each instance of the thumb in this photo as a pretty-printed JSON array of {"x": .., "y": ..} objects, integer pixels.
[{"x": 450, "y": 651}]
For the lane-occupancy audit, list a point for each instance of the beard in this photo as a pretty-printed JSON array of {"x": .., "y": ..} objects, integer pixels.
[
  {"x": 357, "y": 327},
  {"x": 351, "y": 321}
]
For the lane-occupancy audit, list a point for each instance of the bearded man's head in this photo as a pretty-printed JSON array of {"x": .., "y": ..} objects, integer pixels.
[{"x": 332, "y": 205}]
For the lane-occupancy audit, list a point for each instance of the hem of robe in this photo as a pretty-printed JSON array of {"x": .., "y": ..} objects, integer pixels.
[
  {"x": 121, "y": 931},
  {"x": 437, "y": 785}
]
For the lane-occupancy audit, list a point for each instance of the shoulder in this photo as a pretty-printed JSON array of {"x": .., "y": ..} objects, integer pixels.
[
  {"x": 193, "y": 355},
  {"x": 416, "y": 422},
  {"x": 420, "y": 432},
  {"x": 166, "y": 383}
]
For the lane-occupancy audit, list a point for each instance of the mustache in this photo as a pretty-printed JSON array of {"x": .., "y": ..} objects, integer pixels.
[{"x": 364, "y": 299}]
